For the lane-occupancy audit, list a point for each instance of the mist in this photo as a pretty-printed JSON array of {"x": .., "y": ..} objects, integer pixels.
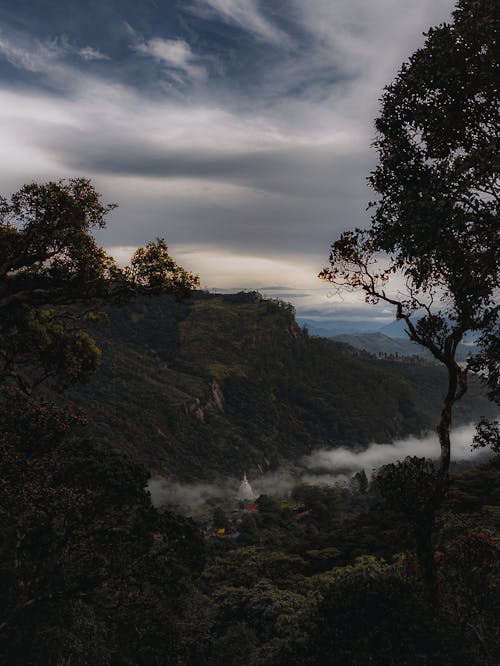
[
  {"x": 344, "y": 460},
  {"x": 189, "y": 498},
  {"x": 197, "y": 499},
  {"x": 330, "y": 467}
]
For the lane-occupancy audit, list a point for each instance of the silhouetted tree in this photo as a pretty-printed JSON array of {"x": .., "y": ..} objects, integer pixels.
[
  {"x": 89, "y": 570},
  {"x": 435, "y": 225},
  {"x": 53, "y": 275}
]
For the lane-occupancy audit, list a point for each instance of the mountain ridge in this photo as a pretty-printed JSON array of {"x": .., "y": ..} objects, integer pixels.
[{"x": 226, "y": 383}]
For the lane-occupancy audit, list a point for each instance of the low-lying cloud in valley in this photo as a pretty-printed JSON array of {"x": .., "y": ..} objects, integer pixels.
[
  {"x": 323, "y": 467},
  {"x": 376, "y": 455}
]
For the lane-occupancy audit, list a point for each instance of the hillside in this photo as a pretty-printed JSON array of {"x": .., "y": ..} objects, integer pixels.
[
  {"x": 382, "y": 344},
  {"x": 221, "y": 384}
]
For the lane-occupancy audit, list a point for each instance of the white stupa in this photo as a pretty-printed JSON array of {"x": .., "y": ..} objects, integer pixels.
[{"x": 245, "y": 493}]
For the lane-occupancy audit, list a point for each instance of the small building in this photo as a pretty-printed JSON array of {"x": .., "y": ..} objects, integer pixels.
[{"x": 245, "y": 492}]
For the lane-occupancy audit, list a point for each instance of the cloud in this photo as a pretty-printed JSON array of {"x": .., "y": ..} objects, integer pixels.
[
  {"x": 224, "y": 268},
  {"x": 247, "y": 15},
  {"x": 199, "y": 499},
  {"x": 188, "y": 498},
  {"x": 324, "y": 467},
  {"x": 90, "y": 53},
  {"x": 35, "y": 57},
  {"x": 175, "y": 54},
  {"x": 265, "y": 157},
  {"x": 49, "y": 61},
  {"x": 266, "y": 165},
  {"x": 342, "y": 459}
]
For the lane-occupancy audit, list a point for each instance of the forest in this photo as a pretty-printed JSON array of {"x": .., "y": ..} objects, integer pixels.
[{"x": 113, "y": 375}]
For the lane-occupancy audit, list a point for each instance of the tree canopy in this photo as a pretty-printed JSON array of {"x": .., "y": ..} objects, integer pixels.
[
  {"x": 433, "y": 248},
  {"x": 435, "y": 226},
  {"x": 53, "y": 274},
  {"x": 84, "y": 559}
]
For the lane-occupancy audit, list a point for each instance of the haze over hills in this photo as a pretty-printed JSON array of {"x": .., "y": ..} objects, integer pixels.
[
  {"x": 226, "y": 383},
  {"x": 331, "y": 327},
  {"x": 380, "y": 344},
  {"x": 376, "y": 338}
]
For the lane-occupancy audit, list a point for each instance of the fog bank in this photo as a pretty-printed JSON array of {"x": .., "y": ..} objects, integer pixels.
[
  {"x": 323, "y": 467},
  {"x": 346, "y": 460}
]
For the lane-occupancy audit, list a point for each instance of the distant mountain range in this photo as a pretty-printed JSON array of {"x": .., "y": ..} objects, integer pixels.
[
  {"x": 328, "y": 328},
  {"x": 388, "y": 339}
]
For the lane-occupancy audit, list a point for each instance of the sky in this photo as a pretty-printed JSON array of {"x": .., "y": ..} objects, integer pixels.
[{"x": 238, "y": 130}]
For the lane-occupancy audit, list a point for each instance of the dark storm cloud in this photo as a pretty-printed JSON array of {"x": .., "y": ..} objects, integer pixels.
[
  {"x": 279, "y": 170},
  {"x": 264, "y": 224}
]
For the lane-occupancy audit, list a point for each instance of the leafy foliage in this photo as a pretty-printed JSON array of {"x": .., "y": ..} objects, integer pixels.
[
  {"x": 219, "y": 385},
  {"x": 436, "y": 218},
  {"x": 435, "y": 221},
  {"x": 85, "y": 560},
  {"x": 49, "y": 261}
]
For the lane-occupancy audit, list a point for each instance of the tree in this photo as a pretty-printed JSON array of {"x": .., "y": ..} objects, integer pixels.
[
  {"x": 89, "y": 570},
  {"x": 53, "y": 274},
  {"x": 370, "y": 614},
  {"x": 435, "y": 230}
]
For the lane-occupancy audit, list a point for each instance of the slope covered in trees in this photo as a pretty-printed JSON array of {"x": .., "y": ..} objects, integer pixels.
[{"x": 227, "y": 383}]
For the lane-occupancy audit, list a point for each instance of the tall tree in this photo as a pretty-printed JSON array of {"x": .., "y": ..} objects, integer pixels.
[
  {"x": 89, "y": 570},
  {"x": 433, "y": 248},
  {"x": 53, "y": 274}
]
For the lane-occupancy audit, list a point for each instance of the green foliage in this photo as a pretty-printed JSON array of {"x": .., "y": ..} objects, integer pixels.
[
  {"x": 218, "y": 386},
  {"x": 90, "y": 571},
  {"x": 85, "y": 561},
  {"x": 470, "y": 573},
  {"x": 409, "y": 484},
  {"x": 369, "y": 614},
  {"x": 435, "y": 219},
  {"x": 488, "y": 434},
  {"x": 153, "y": 270},
  {"x": 49, "y": 261},
  {"x": 436, "y": 216},
  {"x": 437, "y": 175}
]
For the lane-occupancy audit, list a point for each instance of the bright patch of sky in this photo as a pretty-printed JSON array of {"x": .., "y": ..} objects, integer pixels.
[{"x": 238, "y": 130}]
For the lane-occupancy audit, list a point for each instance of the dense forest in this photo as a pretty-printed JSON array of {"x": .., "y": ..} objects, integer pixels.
[
  {"x": 223, "y": 384},
  {"x": 91, "y": 572},
  {"x": 110, "y": 373}
]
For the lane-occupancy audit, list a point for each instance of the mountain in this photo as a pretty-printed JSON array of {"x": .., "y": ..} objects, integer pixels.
[
  {"x": 380, "y": 344},
  {"x": 223, "y": 384},
  {"x": 331, "y": 327},
  {"x": 377, "y": 343},
  {"x": 334, "y": 327},
  {"x": 396, "y": 329}
]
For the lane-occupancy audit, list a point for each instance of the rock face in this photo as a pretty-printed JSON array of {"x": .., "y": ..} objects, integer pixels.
[
  {"x": 217, "y": 396},
  {"x": 214, "y": 402}
]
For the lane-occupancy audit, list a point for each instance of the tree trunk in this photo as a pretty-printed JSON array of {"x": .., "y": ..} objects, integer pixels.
[{"x": 457, "y": 386}]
